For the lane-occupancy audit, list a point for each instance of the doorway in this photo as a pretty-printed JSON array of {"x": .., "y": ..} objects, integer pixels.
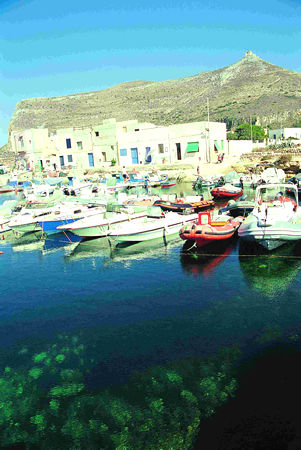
[
  {"x": 179, "y": 156},
  {"x": 134, "y": 153},
  {"x": 91, "y": 159}
]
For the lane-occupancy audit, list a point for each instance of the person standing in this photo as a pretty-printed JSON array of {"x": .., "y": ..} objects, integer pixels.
[{"x": 124, "y": 173}]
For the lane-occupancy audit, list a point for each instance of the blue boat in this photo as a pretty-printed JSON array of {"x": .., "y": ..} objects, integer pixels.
[
  {"x": 67, "y": 214},
  {"x": 20, "y": 184},
  {"x": 50, "y": 226}
]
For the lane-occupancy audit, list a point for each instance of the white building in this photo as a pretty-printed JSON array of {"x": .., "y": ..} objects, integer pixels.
[
  {"x": 285, "y": 133},
  {"x": 125, "y": 143},
  {"x": 192, "y": 142}
]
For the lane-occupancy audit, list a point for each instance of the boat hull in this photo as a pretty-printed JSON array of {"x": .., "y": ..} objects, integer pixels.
[
  {"x": 206, "y": 234},
  {"x": 218, "y": 193},
  {"x": 51, "y": 227},
  {"x": 202, "y": 205},
  {"x": 270, "y": 237},
  {"x": 26, "y": 227},
  {"x": 4, "y": 227},
  {"x": 100, "y": 228},
  {"x": 161, "y": 230},
  {"x": 6, "y": 189}
]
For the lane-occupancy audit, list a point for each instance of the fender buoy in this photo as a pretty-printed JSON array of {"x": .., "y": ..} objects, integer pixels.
[{"x": 1, "y": 253}]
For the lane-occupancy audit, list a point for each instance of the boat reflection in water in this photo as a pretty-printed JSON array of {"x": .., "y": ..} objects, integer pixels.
[
  {"x": 204, "y": 260},
  {"x": 147, "y": 249},
  {"x": 270, "y": 273},
  {"x": 60, "y": 241},
  {"x": 31, "y": 242},
  {"x": 93, "y": 248},
  {"x": 23, "y": 243},
  {"x": 101, "y": 250}
]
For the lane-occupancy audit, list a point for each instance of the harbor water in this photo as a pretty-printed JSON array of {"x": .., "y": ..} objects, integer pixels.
[{"x": 114, "y": 312}]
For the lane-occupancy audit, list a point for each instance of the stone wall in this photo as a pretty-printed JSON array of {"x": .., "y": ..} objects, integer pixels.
[{"x": 7, "y": 156}]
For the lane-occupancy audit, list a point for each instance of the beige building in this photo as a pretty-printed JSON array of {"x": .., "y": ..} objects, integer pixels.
[{"x": 126, "y": 143}]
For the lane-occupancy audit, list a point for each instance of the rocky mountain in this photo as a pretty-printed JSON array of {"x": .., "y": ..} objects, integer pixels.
[{"x": 250, "y": 88}]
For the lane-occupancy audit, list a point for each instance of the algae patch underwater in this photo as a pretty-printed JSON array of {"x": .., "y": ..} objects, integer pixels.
[{"x": 49, "y": 404}]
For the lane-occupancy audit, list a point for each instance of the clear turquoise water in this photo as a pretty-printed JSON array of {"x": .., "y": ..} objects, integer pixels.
[
  {"x": 144, "y": 304},
  {"x": 137, "y": 307}
]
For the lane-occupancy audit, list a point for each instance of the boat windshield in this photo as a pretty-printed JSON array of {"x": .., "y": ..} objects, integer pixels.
[{"x": 270, "y": 193}]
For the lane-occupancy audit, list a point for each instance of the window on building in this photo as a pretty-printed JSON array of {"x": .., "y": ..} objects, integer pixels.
[
  {"x": 21, "y": 141},
  {"x": 217, "y": 147},
  {"x": 192, "y": 147},
  {"x": 123, "y": 152},
  {"x": 136, "y": 129},
  {"x": 69, "y": 158},
  {"x": 161, "y": 148},
  {"x": 80, "y": 145},
  {"x": 112, "y": 147},
  {"x": 104, "y": 156},
  {"x": 97, "y": 133},
  {"x": 68, "y": 143},
  {"x": 124, "y": 129}
]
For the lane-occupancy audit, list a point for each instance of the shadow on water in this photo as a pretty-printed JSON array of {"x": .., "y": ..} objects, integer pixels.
[
  {"x": 265, "y": 411},
  {"x": 204, "y": 260},
  {"x": 270, "y": 273}
]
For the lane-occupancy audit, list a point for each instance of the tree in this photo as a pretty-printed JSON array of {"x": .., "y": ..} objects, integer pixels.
[{"x": 243, "y": 132}]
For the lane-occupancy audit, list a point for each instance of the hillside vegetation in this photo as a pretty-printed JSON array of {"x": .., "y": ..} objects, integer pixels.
[{"x": 249, "y": 89}]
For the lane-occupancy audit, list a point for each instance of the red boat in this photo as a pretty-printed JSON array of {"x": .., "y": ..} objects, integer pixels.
[
  {"x": 167, "y": 184},
  {"x": 209, "y": 230},
  {"x": 6, "y": 188},
  {"x": 226, "y": 191}
]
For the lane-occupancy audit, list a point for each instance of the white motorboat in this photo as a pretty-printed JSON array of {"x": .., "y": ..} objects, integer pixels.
[
  {"x": 273, "y": 175},
  {"x": 6, "y": 211},
  {"x": 67, "y": 213},
  {"x": 99, "y": 225},
  {"x": 26, "y": 221},
  {"x": 276, "y": 217},
  {"x": 151, "y": 228}
]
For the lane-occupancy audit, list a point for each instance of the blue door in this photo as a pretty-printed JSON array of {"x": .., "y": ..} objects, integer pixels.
[
  {"x": 148, "y": 156},
  {"x": 91, "y": 159},
  {"x": 134, "y": 153},
  {"x": 62, "y": 161}
]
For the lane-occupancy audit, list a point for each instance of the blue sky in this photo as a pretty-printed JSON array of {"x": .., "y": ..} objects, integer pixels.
[{"x": 51, "y": 48}]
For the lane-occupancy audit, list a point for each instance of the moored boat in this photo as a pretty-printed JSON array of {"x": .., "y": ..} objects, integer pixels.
[
  {"x": 226, "y": 191},
  {"x": 151, "y": 228},
  {"x": 193, "y": 203},
  {"x": 168, "y": 183},
  {"x": 5, "y": 188},
  {"x": 69, "y": 214},
  {"x": 237, "y": 208},
  {"x": 210, "y": 229},
  {"x": 275, "y": 219},
  {"x": 99, "y": 225}
]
